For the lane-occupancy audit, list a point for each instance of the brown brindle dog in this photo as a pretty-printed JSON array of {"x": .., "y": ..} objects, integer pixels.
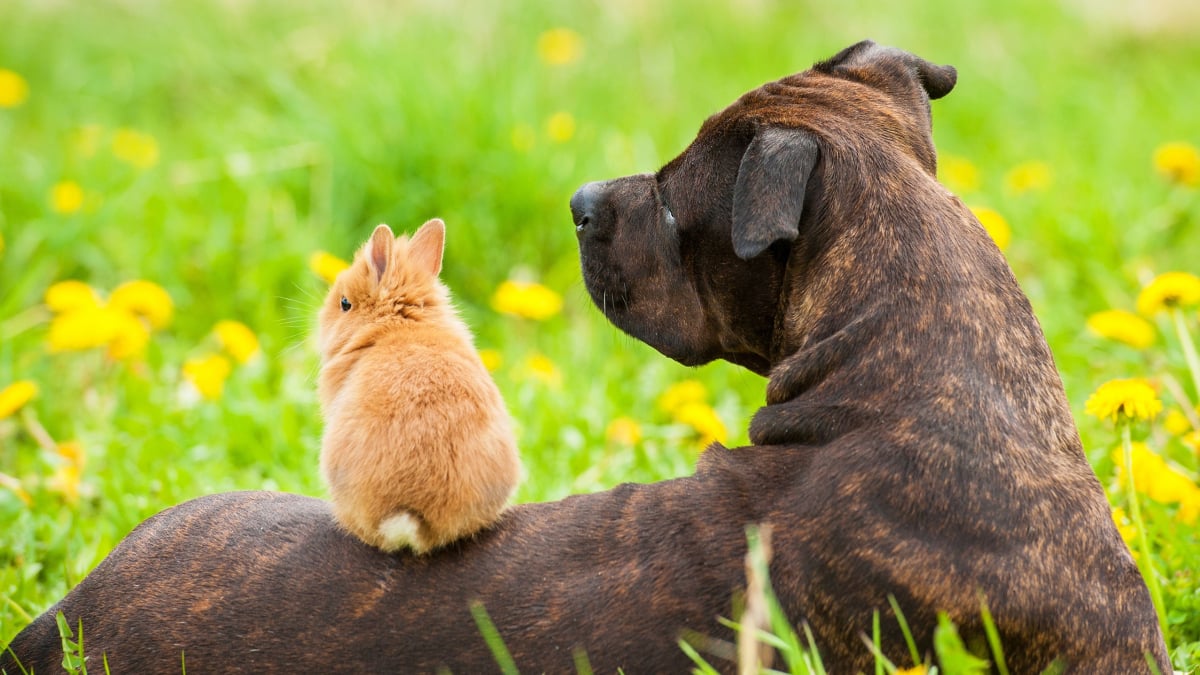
[{"x": 916, "y": 442}]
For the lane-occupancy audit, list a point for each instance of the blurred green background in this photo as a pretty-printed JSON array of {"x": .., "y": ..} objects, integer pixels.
[{"x": 212, "y": 148}]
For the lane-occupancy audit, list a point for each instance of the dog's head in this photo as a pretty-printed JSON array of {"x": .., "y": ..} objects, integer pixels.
[{"x": 691, "y": 259}]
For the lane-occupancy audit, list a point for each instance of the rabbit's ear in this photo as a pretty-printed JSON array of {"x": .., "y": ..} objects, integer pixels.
[
  {"x": 379, "y": 251},
  {"x": 425, "y": 248}
]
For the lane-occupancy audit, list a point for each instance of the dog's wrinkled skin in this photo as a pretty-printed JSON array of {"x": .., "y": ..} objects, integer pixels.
[
  {"x": 916, "y": 442},
  {"x": 923, "y": 440}
]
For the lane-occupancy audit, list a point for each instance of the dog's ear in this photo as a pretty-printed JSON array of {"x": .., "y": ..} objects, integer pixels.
[
  {"x": 768, "y": 198},
  {"x": 937, "y": 81}
]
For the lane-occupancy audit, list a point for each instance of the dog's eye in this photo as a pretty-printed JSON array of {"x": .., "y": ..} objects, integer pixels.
[
  {"x": 667, "y": 216},
  {"x": 345, "y": 304}
]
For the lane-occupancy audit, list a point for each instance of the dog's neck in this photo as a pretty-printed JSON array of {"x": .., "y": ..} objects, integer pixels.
[{"x": 898, "y": 310}]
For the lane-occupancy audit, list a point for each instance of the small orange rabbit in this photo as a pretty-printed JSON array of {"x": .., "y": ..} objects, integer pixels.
[{"x": 418, "y": 448}]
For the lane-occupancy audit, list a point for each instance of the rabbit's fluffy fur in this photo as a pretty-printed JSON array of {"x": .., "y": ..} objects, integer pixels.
[{"x": 418, "y": 448}]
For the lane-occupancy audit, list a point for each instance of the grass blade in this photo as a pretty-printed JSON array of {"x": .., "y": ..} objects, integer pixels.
[
  {"x": 752, "y": 655},
  {"x": 953, "y": 655},
  {"x": 876, "y": 640},
  {"x": 815, "y": 663},
  {"x": 908, "y": 636},
  {"x": 702, "y": 666},
  {"x": 494, "y": 642},
  {"x": 993, "y": 637},
  {"x": 8, "y": 649},
  {"x": 582, "y": 665}
]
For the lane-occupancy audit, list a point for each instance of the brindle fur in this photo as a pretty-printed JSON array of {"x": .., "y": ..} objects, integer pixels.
[{"x": 916, "y": 442}]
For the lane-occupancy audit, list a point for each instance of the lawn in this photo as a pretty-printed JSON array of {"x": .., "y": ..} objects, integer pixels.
[{"x": 212, "y": 149}]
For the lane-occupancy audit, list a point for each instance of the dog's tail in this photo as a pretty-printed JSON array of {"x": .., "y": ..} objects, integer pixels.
[{"x": 37, "y": 648}]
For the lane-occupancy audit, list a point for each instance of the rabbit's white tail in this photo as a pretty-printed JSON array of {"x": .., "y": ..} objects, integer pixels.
[{"x": 402, "y": 530}]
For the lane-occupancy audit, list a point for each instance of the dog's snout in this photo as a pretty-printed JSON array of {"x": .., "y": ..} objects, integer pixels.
[{"x": 583, "y": 207}]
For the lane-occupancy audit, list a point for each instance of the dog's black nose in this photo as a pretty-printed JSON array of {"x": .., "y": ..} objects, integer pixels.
[{"x": 583, "y": 207}]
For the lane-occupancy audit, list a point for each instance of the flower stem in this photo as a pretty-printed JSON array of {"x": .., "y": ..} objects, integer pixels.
[
  {"x": 1135, "y": 514},
  {"x": 37, "y": 431},
  {"x": 1189, "y": 347},
  {"x": 1189, "y": 411}
]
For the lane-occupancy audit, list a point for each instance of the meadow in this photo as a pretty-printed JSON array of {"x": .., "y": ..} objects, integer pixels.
[{"x": 192, "y": 169}]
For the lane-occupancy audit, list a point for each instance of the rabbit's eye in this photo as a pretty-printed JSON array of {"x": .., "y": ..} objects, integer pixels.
[{"x": 345, "y": 304}]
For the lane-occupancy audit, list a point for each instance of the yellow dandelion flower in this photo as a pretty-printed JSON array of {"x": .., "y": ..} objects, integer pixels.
[
  {"x": 1176, "y": 423},
  {"x": 560, "y": 127},
  {"x": 1169, "y": 290},
  {"x": 918, "y": 669},
  {"x": 85, "y": 328},
  {"x": 16, "y": 395},
  {"x": 326, "y": 265},
  {"x": 958, "y": 173},
  {"x": 541, "y": 368},
  {"x": 237, "y": 339},
  {"x": 1189, "y": 509},
  {"x": 1132, "y": 399},
  {"x": 68, "y": 477},
  {"x": 1124, "y": 526},
  {"x": 623, "y": 431},
  {"x": 130, "y": 336},
  {"x": 83, "y": 322},
  {"x": 523, "y": 138},
  {"x": 145, "y": 299},
  {"x": 72, "y": 452},
  {"x": 71, "y": 295},
  {"x": 995, "y": 224},
  {"x": 559, "y": 46},
  {"x": 1178, "y": 162},
  {"x": 208, "y": 375},
  {"x": 66, "y": 197},
  {"x": 13, "y": 89},
  {"x": 10, "y": 483},
  {"x": 66, "y": 481},
  {"x": 1154, "y": 477},
  {"x": 1191, "y": 439},
  {"x": 682, "y": 393},
  {"x": 1028, "y": 177},
  {"x": 704, "y": 420},
  {"x": 1122, "y": 326},
  {"x": 491, "y": 359},
  {"x": 135, "y": 148},
  {"x": 526, "y": 299}
]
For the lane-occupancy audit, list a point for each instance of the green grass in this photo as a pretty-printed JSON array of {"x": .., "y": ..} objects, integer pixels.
[
  {"x": 287, "y": 127},
  {"x": 770, "y": 627}
]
